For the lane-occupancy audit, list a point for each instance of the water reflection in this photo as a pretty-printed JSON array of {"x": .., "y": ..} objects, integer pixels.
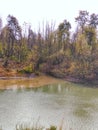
[{"x": 76, "y": 105}]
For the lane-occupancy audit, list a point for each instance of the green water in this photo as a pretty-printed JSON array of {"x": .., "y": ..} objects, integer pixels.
[{"x": 75, "y": 105}]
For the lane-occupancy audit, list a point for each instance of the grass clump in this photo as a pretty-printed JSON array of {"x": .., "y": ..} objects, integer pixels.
[
  {"x": 26, "y": 127},
  {"x": 52, "y": 128}
]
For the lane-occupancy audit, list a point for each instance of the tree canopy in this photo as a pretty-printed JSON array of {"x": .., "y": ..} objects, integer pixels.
[{"x": 54, "y": 51}]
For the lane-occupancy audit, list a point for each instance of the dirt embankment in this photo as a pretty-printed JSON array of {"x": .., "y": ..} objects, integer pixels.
[{"x": 13, "y": 74}]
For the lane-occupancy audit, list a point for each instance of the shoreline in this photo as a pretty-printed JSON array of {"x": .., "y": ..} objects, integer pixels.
[
  {"x": 41, "y": 80},
  {"x": 27, "y": 82}
]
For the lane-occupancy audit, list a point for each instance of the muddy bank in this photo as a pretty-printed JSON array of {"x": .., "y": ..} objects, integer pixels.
[
  {"x": 28, "y": 82},
  {"x": 76, "y": 79}
]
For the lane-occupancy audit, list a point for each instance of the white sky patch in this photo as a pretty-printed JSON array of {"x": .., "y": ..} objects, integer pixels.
[{"x": 36, "y": 11}]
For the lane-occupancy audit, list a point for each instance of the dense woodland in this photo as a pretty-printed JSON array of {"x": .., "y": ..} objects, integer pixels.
[{"x": 55, "y": 51}]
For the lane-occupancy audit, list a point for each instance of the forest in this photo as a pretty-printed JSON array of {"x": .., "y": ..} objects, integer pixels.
[{"x": 53, "y": 51}]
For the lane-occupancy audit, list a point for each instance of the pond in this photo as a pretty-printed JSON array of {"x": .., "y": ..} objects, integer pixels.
[{"x": 73, "y": 104}]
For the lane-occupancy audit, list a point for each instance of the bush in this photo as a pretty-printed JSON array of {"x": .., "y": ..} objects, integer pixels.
[{"x": 27, "y": 69}]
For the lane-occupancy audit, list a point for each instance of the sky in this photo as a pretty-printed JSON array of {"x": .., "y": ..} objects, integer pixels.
[{"x": 36, "y": 11}]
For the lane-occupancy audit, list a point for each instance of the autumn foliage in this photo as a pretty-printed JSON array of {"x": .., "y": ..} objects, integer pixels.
[{"x": 55, "y": 51}]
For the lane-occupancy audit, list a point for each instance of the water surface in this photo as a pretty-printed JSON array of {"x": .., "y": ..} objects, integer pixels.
[{"x": 75, "y": 105}]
